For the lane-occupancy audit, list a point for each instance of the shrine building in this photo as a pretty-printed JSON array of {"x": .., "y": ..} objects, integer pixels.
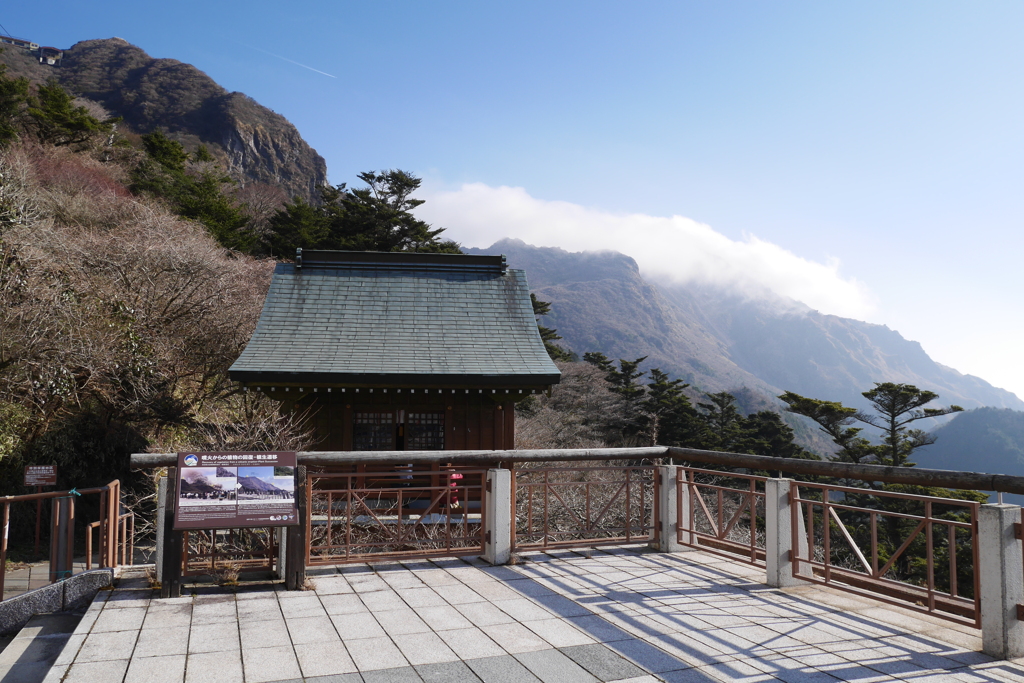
[{"x": 399, "y": 351}]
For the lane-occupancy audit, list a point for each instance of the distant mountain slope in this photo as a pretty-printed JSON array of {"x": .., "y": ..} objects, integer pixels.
[
  {"x": 719, "y": 341},
  {"x": 982, "y": 440},
  {"x": 601, "y": 303},
  {"x": 825, "y": 356},
  {"x": 252, "y": 142}
]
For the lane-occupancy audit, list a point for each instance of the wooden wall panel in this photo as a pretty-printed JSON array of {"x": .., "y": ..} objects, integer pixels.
[{"x": 473, "y": 421}]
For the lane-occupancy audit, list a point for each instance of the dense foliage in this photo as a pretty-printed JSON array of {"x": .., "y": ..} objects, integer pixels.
[
  {"x": 377, "y": 217},
  {"x": 599, "y": 403}
]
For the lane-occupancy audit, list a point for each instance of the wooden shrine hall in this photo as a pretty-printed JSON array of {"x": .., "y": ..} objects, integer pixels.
[{"x": 399, "y": 351}]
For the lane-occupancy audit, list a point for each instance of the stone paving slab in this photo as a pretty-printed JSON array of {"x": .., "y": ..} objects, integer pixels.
[{"x": 621, "y": 615}]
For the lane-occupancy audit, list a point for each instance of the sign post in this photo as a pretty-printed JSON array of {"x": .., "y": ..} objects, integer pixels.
[
  {"x": 226, "y": 491},
  {"x": 40, "y": 476}
]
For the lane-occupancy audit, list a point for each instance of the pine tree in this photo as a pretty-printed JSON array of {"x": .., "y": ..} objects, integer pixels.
[
  {"x": 548, "y": 335},
  {"x": 377, "y": 217},
  {"x": 899, "y": 405}
]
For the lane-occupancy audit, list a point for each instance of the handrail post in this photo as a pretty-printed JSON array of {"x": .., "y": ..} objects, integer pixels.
[
  {"x": 783, "y": 536},
  {"x": 1002, "y": 580},
  {"x": 62, "y": 538},
  {"x": 164, "y": 506},
  {"x": 170, "y": 576},
  {"x": 114, "y": 507},
  {"x": 671, "y": 515},
  {"x": 3, "y": 546},
  {"x": 498, "y": 518},
  {"x": 297, "y": 548}
]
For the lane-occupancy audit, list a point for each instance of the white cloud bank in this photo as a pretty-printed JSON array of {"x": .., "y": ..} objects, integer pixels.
[{"x": 676, "y": 248}]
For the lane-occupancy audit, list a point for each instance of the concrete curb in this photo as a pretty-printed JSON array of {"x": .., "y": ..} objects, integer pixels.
[{"x": 73, "y": 592}]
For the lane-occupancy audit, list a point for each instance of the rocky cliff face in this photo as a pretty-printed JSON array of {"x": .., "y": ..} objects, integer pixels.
[{"x": 254, "y": 144}]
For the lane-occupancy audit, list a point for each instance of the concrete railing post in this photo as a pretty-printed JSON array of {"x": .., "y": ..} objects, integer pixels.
[
  {"x": 161, "y": 514},
  {"x": 498, "y": 517},
  {"x": 778, "y": 554},
  {"x": 666, "y": 536},
  {"x": 1002, "y": 581}
]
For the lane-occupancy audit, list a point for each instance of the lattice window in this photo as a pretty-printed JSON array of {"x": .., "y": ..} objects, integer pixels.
[
  {"x": 424, "y": 432},
  {"x": 373, "y": 432}
]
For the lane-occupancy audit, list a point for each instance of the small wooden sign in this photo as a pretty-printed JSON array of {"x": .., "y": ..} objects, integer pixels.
[{"x": 41, "y": 475}]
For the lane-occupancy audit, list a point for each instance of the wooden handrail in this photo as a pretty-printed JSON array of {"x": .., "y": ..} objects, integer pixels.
[
  {"x": 56, "y": 494},
  {"x": 951, "y": 479}
]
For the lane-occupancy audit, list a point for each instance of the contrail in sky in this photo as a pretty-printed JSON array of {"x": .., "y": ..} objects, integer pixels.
[{"x": 304, "y": 66}]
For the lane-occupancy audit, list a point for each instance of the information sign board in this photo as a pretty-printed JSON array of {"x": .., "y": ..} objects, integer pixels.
[
  {"x": 231, "y": 490},
  {"x": 41, "y": 475}
]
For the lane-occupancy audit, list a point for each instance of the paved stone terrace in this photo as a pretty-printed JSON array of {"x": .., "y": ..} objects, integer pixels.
[{"x": 624, "y": 615}]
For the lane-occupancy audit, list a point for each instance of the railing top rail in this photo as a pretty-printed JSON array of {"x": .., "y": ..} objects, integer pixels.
[
  {"x": 745, "y": 477},
  {"x": 918, "y": 476},
  {"x": 897, "y": 475},
  {"x": 154, "y": 460},
  {"x": 884, "y": 494},
  {"x": 56, "y": 494}
]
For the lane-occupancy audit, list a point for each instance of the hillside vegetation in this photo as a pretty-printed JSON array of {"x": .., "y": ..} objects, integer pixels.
[{"x": 132, "y": 274}]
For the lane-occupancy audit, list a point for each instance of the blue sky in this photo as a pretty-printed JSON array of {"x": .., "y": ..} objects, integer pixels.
[{"x": 864, "y": 157}]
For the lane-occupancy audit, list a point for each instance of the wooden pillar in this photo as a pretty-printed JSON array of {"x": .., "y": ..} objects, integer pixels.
[
  {"x": 297, "y": 548},
  {"x": 346, "y": 427},
  {"x": 170, "y": 586},
  {"x": 510, "y": 424}
]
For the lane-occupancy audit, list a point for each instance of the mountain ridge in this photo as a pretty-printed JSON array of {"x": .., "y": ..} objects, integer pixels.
[
  {"x": 719, "y": 341},
  {"x": 251, "y": 142}
]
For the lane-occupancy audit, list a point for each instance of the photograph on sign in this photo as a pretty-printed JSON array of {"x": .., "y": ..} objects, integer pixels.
[{"x": 229, "y": 490}]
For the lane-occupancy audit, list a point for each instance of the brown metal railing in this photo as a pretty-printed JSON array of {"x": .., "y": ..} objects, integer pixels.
[
  {"x": 389, "y": 514},
  {"x": 215, "y": 551},
  {"x": 108, "y": 525},
  {"x": 870, "y": 542},
  {"x": 125, "y": 540},
  {"x": 720, "y": 518},
  {"x": 564, "y": 507}
]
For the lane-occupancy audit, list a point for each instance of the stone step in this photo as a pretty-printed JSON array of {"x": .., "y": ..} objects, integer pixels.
[{"x": 29, "y": 655}]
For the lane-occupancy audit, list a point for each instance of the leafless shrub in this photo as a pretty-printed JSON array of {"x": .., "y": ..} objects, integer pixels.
[
  {"x": 242, "y": 422},
  {"x": 569, "y": 502},
  {"x": 260, "y": 202},
  {"x": 581, "y": 413}
]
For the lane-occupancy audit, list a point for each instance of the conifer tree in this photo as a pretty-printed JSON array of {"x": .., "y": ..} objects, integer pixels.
[
  {"x": 377, "y": 217},
  {"x": 899, "y": 405},
  {"x": 548, "y": 335}
]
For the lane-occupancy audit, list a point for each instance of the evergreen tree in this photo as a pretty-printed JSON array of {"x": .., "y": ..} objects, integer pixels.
[
  {"x": 722, "y": 421},
  {"x": 196, "y": 193},
  {"x": 623, "y": 382},
  {"x": 13, "y": 100},
  {"x": 764, "y": 433},
  {"x": 377, "y": 217},
  {"x": 834, "y": 419},
  {"x": 899, "y": 405},
  {"x": 548, "y": 335},
  {"x": 670, "y": 419},
  {"x": 55, "y": 120}
]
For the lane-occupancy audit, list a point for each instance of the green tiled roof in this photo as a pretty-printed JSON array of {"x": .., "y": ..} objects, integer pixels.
[{"x": 363, "y": 318}]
